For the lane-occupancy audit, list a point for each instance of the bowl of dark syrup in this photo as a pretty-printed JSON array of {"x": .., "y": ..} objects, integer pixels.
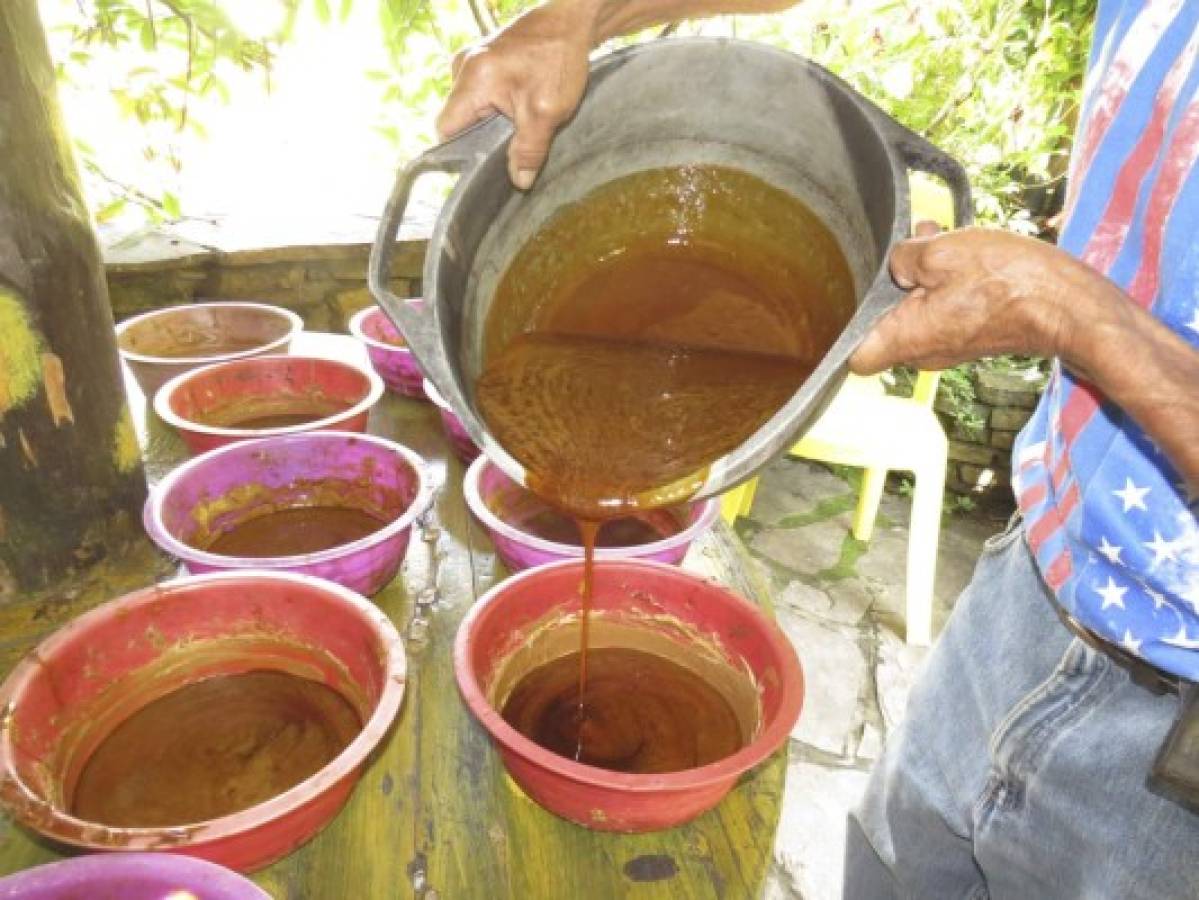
[
  {"x": 267, "y": 396},
  {"x": 526, "y": 531},
  {"x": 640, "y": 715},
  {"x": 332, "y": 504},
  {"x": 223, "y": 716}
]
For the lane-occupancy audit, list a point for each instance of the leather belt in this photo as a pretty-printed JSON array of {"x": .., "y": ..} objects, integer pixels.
[{"x": 1143, "y": 673}]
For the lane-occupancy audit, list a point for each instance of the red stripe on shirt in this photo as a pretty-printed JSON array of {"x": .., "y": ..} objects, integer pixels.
[
  {"x": 1057, "y": 573},
  {"x": 1180, "y": 159}
]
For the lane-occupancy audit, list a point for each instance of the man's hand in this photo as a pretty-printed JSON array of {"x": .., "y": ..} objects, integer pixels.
[
  {"x": 975, "y": 293},
  {"x": 534, "y": 72}
]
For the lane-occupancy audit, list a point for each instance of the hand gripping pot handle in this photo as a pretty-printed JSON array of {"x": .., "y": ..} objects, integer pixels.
[{"x": 460, "y": 155}]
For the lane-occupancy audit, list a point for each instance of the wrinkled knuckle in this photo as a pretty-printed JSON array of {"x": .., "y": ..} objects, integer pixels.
[{"x": 547, "y": 107}]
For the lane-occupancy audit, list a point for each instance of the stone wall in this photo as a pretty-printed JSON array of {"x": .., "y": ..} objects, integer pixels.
[
  {"x": 980, "y": 451},
  {"x": 325, "y": 284}
]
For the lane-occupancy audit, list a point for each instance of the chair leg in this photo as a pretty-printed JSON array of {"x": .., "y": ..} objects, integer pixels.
[
  {"x": 872, "y": 492},
  {"x": 737, "y": 502},
  {"x": 923, "y": 537}
]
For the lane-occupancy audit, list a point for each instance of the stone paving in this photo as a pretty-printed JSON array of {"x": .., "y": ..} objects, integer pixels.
[{"x": 841, "y": 602}]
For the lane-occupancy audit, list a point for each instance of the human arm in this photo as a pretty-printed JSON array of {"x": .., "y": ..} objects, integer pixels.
[
  {"x": 535, "y": 69},
  {"x": 978, "y": 293}
]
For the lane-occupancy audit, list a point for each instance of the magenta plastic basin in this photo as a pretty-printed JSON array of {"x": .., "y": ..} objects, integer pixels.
[
  {"x": 522, "y": 550},
  {"x": 219, "y": 489},
  {"x": 683, "y": 610},
  {"x": 130, "y": 876},
  {"x": 250, "y": 383},
  {"x": 464, "y": 448},
  {"x": 67, "y": 695},
  {"x": 390, "y": 357}
]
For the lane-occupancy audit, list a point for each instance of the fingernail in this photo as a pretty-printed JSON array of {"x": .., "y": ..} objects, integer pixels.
[{"x": 524, "y": 178}]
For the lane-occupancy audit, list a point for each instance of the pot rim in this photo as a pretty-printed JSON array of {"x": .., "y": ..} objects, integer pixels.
[
  {"x": 153, "y": 520},
  {"x": 699, "y": 521},
  {"x": 47, "y": 819},
  {"x": 766, "y": 742},
  {"x": 294, "y": 321},
  {"x": 355, "y": 326},
  {"x": 162, "y": 399}
]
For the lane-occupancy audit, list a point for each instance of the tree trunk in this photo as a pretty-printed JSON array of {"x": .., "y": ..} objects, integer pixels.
[{"x": 71, "y": 479}]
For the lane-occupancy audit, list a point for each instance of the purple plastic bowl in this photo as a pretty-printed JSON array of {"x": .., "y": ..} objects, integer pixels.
[
  {"x": 521, "y": 550},
  {"x": 464, "y": 447},
  {"x": 389, "y": 356},
  {"x": 130, "y": 876},
  {"x": 229, "y": 484}
]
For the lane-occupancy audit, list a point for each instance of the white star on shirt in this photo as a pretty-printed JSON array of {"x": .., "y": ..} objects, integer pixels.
[
  {"x": 1194, "y": 323},
  {"x": 1158, "y": 600},
  {"x": 1181, "y": 639},
  {"x": 1111, "y": 551},
  {"x": 1132, "y": 495},
  {"x": 1129, "y": 643},
  {"x": 1162, "y": 549},
  {"x": 1112, "y": 594},
  {"x": 1191, "y": 595}
]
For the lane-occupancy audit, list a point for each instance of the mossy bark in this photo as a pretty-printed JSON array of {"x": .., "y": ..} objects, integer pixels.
[{"x": 70, "y": 490}]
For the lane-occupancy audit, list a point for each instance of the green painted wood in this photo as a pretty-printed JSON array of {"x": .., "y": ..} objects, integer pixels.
[{"x": 435, "y": 816}]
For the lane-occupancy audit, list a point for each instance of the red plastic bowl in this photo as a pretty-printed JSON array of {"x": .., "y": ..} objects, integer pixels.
[
  {"x": 683, "y": 608},
  {"x": 185, "y": 399},
  {"x": 129, "y": 876},
  {"x": 110, "y": 662}
]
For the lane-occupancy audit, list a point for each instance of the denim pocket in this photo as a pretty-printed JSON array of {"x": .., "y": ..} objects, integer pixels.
[{"x": 997, "y": 543}]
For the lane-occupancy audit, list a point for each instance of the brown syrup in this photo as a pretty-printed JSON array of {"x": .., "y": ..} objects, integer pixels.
[
  {"x": 201, "y": 345},
  {"x": 642, "y": 334},
  {"x": 213, "y": 748},
  {"x": 270, "y": 414},
  {"x": 290, "y": 532},
  {"x": 531, "y": 515},
  {"x": 643, "y": 713}
]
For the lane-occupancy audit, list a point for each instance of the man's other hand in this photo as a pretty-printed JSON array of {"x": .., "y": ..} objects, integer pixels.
[{"x": 533, "y": 71}]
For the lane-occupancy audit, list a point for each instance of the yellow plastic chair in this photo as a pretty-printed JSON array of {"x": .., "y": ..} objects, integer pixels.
[{"x": 865, "y": 427}]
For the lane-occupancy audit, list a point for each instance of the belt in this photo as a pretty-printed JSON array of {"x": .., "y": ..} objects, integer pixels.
[{"x": 1145, "y": 674}]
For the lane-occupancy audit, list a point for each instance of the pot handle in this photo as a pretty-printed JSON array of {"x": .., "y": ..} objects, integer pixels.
[
  {"x": 460, "y": 155},
  {"x": 922, "y": 155}
]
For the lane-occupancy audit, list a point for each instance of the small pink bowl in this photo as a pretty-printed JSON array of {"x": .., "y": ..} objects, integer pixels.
[
  {"x": 189, "y": 397},
  {"x": 130, "y": 876},
  {"x": 391, "y": 358},
  {"x": 162, "y": 343},
  {"x": 465, "y": 448},
  {"x": 681, "y": 610},
  {"x": 520, "y": 550},
  {"x": 219, "y": 489},
  {"x": 100, "y": 668}
]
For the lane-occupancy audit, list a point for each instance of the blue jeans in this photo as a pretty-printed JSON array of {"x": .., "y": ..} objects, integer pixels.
[{"x": 1020, "y": 771}]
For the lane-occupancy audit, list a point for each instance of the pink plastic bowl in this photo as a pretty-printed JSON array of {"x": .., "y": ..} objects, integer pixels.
[
  {"x": 521, "y": 550},
  {"x": 155, "y": 345},
  {"x": 223, "y": 487},
  {"x": 395, "y": 363},
  {"x": 93, "y": 673},
  {"x": 464, "y": 448},
  {"x": 684, "y": 609},
  {"x": 129, "y": 876},
  {"x": 188, "y": 397}
]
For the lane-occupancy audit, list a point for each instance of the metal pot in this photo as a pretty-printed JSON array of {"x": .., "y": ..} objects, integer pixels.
[{"x": 699, "y": 100}]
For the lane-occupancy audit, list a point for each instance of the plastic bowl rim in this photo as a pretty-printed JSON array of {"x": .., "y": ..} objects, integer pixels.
[
  {"x": 294, "y": 320},
  {"x": 710, "y": 509},
  {"x": 153, "y": 521},
  {"x": 356, "y": 329},
  {"x": 162, "y": 400},
  {"x": 766, "y": 742},
  {"x": 342, "y": 766}
]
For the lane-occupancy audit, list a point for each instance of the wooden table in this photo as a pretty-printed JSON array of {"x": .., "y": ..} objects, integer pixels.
[{"x": 435, "y": 815}]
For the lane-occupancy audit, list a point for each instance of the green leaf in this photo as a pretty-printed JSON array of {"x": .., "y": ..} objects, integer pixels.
[
  {"x": 322, "y": 11},
  {"x": 170, "y": 205},
  {"x": 111, "y": 210},
  {"x": 346, "y": 6}
]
